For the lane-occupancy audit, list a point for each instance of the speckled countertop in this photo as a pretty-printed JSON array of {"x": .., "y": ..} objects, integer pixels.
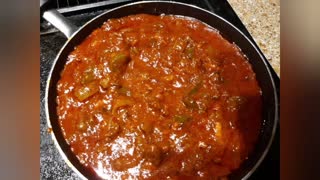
[{"x": 262, "y": 19}]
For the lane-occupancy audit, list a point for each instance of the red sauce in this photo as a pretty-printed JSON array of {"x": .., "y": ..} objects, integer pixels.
[{"x": 159, "y": 97}]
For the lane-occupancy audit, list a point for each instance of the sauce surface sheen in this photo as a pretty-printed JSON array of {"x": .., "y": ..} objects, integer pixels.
[{"x": 159, "y": 97}]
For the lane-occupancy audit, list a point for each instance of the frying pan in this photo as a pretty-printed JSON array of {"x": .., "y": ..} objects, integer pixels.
[{"x": 227, "y": 30}]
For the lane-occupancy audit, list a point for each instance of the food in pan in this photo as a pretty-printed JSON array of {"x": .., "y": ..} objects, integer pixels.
[{"x": 159, "y": 97}]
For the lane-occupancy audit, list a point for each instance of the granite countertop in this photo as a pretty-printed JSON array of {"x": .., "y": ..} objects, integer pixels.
[{"x": 262, "y": 19}]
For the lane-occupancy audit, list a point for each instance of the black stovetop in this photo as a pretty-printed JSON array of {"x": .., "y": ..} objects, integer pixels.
[{"x": 52, "y": 165}]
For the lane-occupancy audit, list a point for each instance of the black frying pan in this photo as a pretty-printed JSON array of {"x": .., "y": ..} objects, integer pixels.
[{"x": 76, "y": 36}]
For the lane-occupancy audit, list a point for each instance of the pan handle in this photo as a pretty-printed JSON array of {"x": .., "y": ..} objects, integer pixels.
[{"x": 56, "y": 19}]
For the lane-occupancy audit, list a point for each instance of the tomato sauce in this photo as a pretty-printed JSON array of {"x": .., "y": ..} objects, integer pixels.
[{"x": 155, "y": 97}]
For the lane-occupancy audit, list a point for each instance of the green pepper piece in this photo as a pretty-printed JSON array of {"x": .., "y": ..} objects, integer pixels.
[
  {"x": 88, "y": 76},
  {"x": 119, "y": 60},
  {"x": 195, "y": 89},
  {"x": 189, "y": 102},
  {"x": 85, "y": 92},
  {"x": 182, "y": 118},
  {"x": 189, "y": 51},
  {"x": 105, "y": 82},
  {"x": 124, "y": 91}
]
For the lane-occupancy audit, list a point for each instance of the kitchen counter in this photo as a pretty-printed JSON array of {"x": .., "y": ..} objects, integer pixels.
[{"x": 262, "y": 19}]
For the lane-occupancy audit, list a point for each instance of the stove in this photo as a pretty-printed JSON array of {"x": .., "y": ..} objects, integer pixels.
[{"x": 52, "y": 166}]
